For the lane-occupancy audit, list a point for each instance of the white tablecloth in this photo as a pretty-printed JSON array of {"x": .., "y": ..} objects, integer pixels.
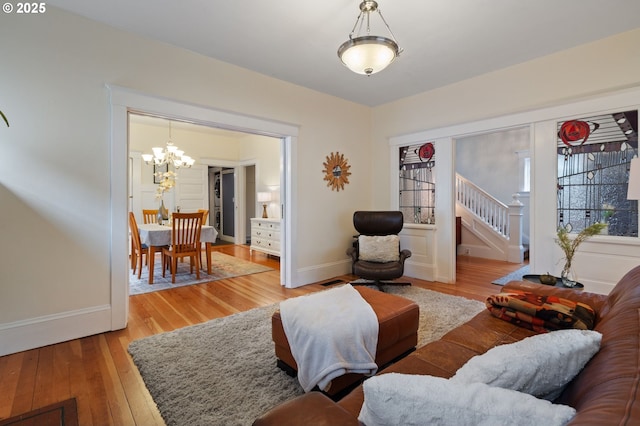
[{"x": 153, "y": 234}]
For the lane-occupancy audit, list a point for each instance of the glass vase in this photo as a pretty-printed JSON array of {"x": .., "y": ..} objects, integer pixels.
[
  {"x": 163, "y": 213},
  {"x": 568, "y": 277}
]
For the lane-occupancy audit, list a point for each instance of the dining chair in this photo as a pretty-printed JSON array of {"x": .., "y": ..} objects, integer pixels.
[
  {"x": 185, "y": 242},
  {"x": 150, "y": 216},
  {"x": 138, "y": 250},
  {"x": 205, "y": 215}
]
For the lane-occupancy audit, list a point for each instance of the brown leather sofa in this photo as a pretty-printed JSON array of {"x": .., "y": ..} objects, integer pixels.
[{"x": 606, "y": 392}]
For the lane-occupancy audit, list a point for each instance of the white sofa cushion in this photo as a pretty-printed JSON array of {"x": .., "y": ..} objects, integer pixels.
[
  {"x": 403, "y": 399},
  {"x": 379, "y": 248},
  {"x": 540, "y": 365}
]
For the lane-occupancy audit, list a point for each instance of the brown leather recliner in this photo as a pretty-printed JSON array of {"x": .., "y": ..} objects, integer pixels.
[{"x": 379, "y": 223}]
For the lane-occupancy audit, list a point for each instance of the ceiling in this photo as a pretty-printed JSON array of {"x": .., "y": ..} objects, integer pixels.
[{"x": 444, "y": 41}]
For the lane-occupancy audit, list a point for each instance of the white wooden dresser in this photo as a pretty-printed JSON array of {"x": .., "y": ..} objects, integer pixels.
[{"x": 265, "y": 235}]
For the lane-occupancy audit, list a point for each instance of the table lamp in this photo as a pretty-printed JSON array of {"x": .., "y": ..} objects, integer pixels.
[{"x": 264, "y": 197}]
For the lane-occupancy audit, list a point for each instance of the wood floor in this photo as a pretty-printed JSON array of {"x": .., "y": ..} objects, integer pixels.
[{"x": 99, "y": 373}]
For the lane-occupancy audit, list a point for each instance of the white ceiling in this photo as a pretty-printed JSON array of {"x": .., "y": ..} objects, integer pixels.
[{"x": 444, "y": 41}]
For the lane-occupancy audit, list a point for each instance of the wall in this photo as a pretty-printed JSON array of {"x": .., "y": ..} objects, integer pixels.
[
  {"x": 203, "y": 143},
  {"x": 55, "y": 174},
  {"x": 510, "y": 98},
  {"x": 265, "y": 152}
]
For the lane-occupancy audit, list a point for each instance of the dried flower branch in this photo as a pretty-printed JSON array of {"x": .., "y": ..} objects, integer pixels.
[{"x": 569, "y": 246}]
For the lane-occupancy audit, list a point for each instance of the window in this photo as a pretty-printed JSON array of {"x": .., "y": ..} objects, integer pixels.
[
  {"x": 417, "y": 183},
  {"x": 524, "y": 167},
  {"x": 593, "y": 172}
]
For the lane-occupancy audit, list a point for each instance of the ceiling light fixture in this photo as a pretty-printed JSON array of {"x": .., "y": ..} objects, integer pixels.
[
  {"x": 368, "y": 54},
  {"x": 168, "y": 155}
]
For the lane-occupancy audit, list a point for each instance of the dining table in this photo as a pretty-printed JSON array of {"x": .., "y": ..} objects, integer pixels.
[{"x": 156, "y": 236}]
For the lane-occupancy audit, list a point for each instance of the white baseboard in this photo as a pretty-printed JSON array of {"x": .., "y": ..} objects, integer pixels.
[
  {"x": 423, "y": 271},
  {"x": 47, "y": 330},
  {"x": 599, "y": 287},
  {"x": 484, "y": 252},
  {"x": 324, "y": 271},
  {"x": 321, "y": 272}
]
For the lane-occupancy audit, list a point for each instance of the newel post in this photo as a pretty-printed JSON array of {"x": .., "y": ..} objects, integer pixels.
[{"x": 515, "y": 250}]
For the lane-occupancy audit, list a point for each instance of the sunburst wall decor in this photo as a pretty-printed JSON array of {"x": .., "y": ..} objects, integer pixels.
[{"x": 336, "y": 171}]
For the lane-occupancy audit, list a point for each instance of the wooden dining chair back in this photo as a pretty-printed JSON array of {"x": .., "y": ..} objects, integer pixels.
[
  {"x": 205, "y": 215},
  {"x": 138, "y": 250},
  {"x": 185, "y": 242},
  {"x": 150, "y": 216}
]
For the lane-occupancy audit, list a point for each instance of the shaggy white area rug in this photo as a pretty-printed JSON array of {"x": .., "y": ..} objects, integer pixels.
[{"x": 223, "y": 372}]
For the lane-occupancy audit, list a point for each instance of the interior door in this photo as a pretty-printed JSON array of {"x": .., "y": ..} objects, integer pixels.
[
  {"x": 191, "y": 190},
  {"x": 228, "y": 203}
]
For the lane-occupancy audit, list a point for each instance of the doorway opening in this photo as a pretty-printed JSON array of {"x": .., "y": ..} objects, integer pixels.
[
  {"x": 224, "y": 185},
  {"x": 125, "y": 101},
  {"x": 222, "y": 201},
  {"x": 490, "y": 168}
]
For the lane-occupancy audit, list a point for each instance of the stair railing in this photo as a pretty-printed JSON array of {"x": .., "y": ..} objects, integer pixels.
[{"x": 488, "y": 209}]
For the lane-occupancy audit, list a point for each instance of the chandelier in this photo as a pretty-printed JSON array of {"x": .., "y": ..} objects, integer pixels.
[
  {"x": 170, "y": 154},
  {"x": 368, "y": 54}
]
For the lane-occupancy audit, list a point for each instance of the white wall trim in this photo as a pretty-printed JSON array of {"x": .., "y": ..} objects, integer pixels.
[
  {"x": 288, "y": 215},
  {"x": 421, "y": 270},
  {"x": 218, "y": 163},
  {"x": 320, "y": 272},
  {"x": 50, "y": 329},
  {"x": 420, "y": 240},
  {"x": 591, "y": 105}
]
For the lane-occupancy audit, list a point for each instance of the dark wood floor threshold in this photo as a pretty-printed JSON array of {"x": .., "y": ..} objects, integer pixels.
[{"x": 63, "y": 413}]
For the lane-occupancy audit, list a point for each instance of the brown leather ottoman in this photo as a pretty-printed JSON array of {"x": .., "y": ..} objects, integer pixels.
[{"x": 397, "y": 335}]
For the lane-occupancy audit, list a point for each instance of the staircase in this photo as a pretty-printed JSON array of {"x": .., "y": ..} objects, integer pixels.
[{"x": 495, "y": 228}]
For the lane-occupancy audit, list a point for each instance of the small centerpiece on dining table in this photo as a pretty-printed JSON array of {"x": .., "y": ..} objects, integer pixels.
[
  {"x": 168, "y": 181},
  {"x": 569, "y": 247}
]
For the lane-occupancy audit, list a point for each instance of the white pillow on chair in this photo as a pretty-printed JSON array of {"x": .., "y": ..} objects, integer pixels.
[{"x": 379, "y": 248}]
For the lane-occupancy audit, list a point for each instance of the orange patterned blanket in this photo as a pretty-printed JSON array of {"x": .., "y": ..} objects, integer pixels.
[{"x": 540, "y": 313}]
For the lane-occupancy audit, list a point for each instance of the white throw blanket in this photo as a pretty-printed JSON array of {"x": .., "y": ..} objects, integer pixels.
[{"x": 331, "y": 333}]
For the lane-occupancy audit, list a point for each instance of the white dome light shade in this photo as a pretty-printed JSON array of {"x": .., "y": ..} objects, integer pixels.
[{"x": 368, "y": 54}]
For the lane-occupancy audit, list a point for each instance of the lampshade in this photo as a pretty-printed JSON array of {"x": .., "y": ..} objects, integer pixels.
[
  {"x": 264, "y": 197},
  {"x": 633, "y": 188},
  {"x": 368, "y": 54}
]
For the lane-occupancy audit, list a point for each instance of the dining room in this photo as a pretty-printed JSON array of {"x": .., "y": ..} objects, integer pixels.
[{"x": 173, "y": 167}]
